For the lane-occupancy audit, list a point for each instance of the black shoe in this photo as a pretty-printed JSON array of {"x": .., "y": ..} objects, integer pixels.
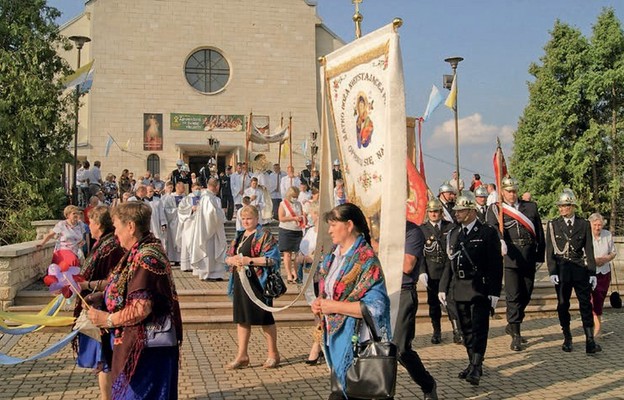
[
  {"x": 433, "y": 394},
  {"x": 316, "y": 360},
  {"x": 508, "y": 331},
  {"x": 436, "y": 338},
  {"x": 465, "y": 372},
  {"x": 474, "y": 375},
  {"x": 516, "y": 339},
  {"x": 591, "y": 347},
  {"x": 457, "y": 337}
]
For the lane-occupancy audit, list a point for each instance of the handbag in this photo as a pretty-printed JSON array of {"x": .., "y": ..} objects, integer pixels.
[
  {"x": 275, "y": 286},
  {"x": 160, "y": 334},
  {"x": 614, "y": 298},
  {"x": 372, "y": 375}
]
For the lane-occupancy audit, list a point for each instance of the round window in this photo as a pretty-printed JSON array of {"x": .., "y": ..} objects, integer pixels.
[{"x": 207, "y": 71}]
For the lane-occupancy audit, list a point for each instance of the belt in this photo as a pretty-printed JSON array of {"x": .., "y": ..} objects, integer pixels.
[
  {"x": 523, "y": 242},
  {"x": 465, "y": 274}
]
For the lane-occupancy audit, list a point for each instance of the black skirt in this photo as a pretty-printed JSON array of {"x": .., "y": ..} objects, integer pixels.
[
  {"x": 289, "y": 240},
  {"x": 245, "y": 311}
]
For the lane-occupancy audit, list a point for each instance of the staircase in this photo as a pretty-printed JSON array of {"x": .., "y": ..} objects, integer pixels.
[{"x": 205, "y": 305}]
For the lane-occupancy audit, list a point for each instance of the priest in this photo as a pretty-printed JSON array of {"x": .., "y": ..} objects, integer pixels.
[{"x": 187, "y": 210}]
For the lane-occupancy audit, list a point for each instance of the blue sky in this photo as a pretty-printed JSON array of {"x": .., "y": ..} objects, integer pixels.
[{"x": 498, "y": 39}]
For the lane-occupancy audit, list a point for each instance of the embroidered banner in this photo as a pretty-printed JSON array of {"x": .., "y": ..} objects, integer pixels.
[{"x": 363, "y": 88}]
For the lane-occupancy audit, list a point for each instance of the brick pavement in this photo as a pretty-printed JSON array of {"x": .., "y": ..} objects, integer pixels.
[{"x": 542, "y": 371}]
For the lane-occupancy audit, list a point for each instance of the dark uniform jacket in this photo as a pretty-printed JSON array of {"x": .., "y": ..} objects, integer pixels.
[
  {"x": 225, "y": 186},
  {"x": 570, "y": 255},
  {"x": 448, "y": 207},
  {"x": 481, "y": 215},
  {"x": 523, "y": 249},
  {"x": 476, "y": 267},
  {"x": 435, "y": 258},
  {"x": 305, "y": 176}
]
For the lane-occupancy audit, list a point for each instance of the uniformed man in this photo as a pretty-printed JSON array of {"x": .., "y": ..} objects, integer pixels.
[
  {"x": 481, "y": 195},
  {"x": 523, "y": 251},
  {"x": 474, "y": 278},
  {"x": 432, "y": 267},
  {"x": 306, "y": 173},
  {"x": 446, "y": 195},
  {"x": 571, "y": 264},
  {"x": 336, "y": 172}
]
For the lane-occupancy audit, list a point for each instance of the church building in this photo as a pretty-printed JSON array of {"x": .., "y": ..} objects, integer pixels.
[{"x": 179, "y": 79}]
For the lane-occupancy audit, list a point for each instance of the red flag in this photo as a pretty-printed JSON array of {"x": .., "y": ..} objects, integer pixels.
[
  {"x": 500, "y": 168},
  {"x": 417, "y": 195}
]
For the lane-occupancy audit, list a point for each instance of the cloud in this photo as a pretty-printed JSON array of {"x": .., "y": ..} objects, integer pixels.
[{"x": 472, "y": 131}]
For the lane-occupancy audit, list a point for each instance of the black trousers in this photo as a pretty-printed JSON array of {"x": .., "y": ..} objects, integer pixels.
[
  {"x": 474, "y": 320},
  {"x": 582, "y": 288},
  {"x": 404, "y": 333},
  {"x": 519, "y": 284},
  {"x": 276, "y": 203},
  {"x": 227, "y": 202},
  {"x": 435, "y": 308}
]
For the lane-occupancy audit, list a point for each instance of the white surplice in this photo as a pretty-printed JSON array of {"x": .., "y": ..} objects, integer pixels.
[
  {"x": 209, "y": 245},
  {"x": 170, "y": 206},
  {"x": 184, "y": 234}
]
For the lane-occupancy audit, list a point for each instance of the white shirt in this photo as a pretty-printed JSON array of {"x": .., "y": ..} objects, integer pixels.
[
  {"x": 492, "y": 198},
  {"x": 287, "y": 182},
  {"x": 603, "y": 246},
  {"x": 97, "y": 175}
]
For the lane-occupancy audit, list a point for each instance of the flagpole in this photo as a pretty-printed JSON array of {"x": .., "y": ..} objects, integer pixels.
[
  {"x": 499, "y": 175},
  {"x": 357, "y": 19},
  {"x": 279, "y": 152},
  {"x": 290, "y": 138},
  {"x": 247, "y": 146}
]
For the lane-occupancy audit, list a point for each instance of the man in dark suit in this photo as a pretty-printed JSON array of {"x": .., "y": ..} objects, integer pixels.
[
  {"x": 446, "y": 195},
  {"x": 432, "y": 267},
  {"x": 481, "y": 196},
  {"x": 475, "y": 277},
  {"x": 523, "y": 249},
  {"x": 227, "y": 199},
  {"x": 571, "y": 264}
]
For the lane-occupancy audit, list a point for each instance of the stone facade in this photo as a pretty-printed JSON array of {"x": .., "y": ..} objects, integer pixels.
[{"x": 140, "y": 48}]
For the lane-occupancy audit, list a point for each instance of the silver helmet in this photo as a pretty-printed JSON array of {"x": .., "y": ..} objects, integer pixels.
[
  {"x": 465, "y": 202},
  {"x": 434, "y": 205},
  {"x": 446, "y": 188},
  {"x": 481, "y": 191},
  {"x": 566, "y": 197}
]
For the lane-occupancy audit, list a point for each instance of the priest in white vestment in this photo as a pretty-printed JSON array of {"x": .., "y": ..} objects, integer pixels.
[
  {"x": 209, "y": 244},
  {"x": 186, "y": 225},
  {"x": 256, "y": 195},
  {"x": 158, "y": 222},
  {"x": 170, "y": 204}
]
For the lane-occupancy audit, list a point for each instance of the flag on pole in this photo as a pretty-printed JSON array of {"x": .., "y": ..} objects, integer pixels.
[
  {"x": 451, "y": 100},
  {"x": 500, "y": 166},
  {"x": 285, "y": 148},
  {"x": 82, "y": 76},
  {"x": 435, "y": 98},
  {"x": 109, "y": 143}
]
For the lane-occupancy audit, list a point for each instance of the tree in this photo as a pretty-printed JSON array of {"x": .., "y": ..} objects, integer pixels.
[
  {"x": 605, "y": 82},
  {"x": 549, "y": 151},
  {"x": 35, "y": 117}
]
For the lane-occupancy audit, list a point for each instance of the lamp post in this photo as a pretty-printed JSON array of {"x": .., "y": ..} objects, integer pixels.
[
  {"x": 313, "y": 147},
  {"x": 79, "y": 42},
  {"x": 454, "y": 61}
]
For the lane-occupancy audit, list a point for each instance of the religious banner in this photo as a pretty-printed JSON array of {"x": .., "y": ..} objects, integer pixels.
[
  {"x": 260, "y": 128},
  {"x": 152, "y": 132},
  {"x": 207, "y": 122},
  {"x": 363, "y": 88}
]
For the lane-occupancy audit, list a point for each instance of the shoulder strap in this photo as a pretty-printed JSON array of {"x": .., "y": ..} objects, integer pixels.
[{"x": 369, "y": 321}]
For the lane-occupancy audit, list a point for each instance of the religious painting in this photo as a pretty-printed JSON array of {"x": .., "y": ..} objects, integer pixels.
[
  {"x": 260, "y": 126},
  {"x": 207, "y": 122},
  {"x": 153, "y": 132}
]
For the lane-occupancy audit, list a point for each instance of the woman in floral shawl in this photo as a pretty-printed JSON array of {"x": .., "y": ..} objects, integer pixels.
[
  {"x": 350, "y": 274},
  {"x": 254, "y": 249},
  {"x": 104, "y": 256},
  {"x": 140, "y": 294}
]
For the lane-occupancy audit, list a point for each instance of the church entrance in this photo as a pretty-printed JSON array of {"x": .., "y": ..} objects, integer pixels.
[{"x": 196, "y": 163}]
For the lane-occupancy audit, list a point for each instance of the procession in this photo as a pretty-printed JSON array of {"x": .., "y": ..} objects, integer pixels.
[{"x": 279, "y": 230}]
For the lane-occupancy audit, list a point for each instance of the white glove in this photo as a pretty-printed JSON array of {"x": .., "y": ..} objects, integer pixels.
[
  {"x": 423, "y": 279},
  {"x": 442, "y": 298},
  {"x": 554, "y": 279},
  {"x": 493, "y": 301},
  {"x": 593, "y": 281},
  {"x": 503, "y": 248}
]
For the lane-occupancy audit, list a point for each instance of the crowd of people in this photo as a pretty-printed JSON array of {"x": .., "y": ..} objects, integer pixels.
[{"x": 471, "y": 243}]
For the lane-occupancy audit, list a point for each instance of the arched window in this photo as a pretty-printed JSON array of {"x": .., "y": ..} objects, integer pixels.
[
  {"x": 153, "y": 164},
  {"x": 207, "y": 71}
]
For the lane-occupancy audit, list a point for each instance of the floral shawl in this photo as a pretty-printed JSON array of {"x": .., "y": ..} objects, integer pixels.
[
  {"x": 143, "y": 273},
  {"x": 360, "y": 279},
  {"x": 263, "y": 244}
]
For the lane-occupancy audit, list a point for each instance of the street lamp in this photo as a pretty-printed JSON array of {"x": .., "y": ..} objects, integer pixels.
[
  {"x": 454, "y": 61},
  {"x": 79, "y": 42}
]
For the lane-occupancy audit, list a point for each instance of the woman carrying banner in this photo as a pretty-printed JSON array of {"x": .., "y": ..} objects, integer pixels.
[
  {"x": 104, "y": 256},
  {"x": 255, "y": 250},
  {"x": 143, "y": 311},
  {"x": 350, "y": 274}
]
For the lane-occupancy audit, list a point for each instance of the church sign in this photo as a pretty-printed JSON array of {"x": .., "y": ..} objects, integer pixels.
[{"x": 207, "y": 122}]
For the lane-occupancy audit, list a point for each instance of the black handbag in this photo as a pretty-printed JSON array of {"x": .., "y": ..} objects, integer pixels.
[
  {"x": 374, "y": 370},
  {"x": 275, "y": 286},
  {"x": 614, "y": 298}
]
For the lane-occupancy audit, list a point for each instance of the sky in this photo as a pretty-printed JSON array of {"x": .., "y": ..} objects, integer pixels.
[{"x": 498, "y": 40}]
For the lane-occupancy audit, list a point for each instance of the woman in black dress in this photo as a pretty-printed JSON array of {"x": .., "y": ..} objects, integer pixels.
[{"x": 255, "y": 250}]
